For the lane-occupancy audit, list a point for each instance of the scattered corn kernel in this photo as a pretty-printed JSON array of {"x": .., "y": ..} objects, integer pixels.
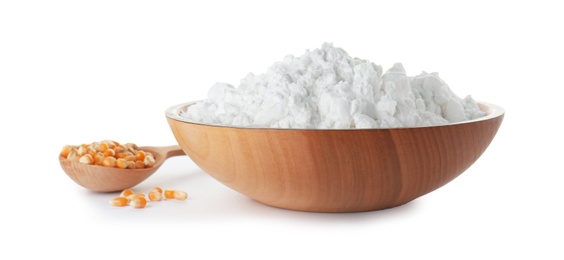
[
  {"x": 169, "y": 194},
  {"x": 119, "y": 201},
  {"x": 135, "y": 195},
  {"x": 155, "y": 195},
  {"x": 126, "y": 193},
  {"x": 180, "y": 195},
  {"x": 158, "y": 189},
  {"x": 138, "y": 202}
]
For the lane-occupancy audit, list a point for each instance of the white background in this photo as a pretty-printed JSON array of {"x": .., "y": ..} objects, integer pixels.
[{"x": 80, "y": 71}]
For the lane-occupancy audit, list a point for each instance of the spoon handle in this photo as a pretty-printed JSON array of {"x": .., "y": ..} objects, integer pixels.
[
  {"x": 165, "y": 151},
  {"x": 173, "y": 150}
]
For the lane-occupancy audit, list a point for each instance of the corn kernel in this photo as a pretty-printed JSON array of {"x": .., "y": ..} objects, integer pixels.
[
  {"x": 180, "y": 195},
  {"x": 99, "y": 158},
  {"x": 91, "y": 151},
  {"x": 158, "y": 189},
  {"x": 86, "y": 159},
  {"x": 73, "y": 156},
  {"x": 139, "y": 165},
  {"x": 126, "y": 193},
  {"x": 120, "y": 149},
  {"x": 81, "y": 151},
  {"x": 149, "y": 161},
  {"x": 135, "y": 195},
  {"x": 125, "y": 154},
  {"x": 138, "y": 202},
  {"x": 169, "y": 194},
  {"x": 109, "y": 152},
  {"x": 66, "y": 150},
  {"x": 131, "y": 146},
  {"x": 155, "y": 196},
  {"x": 130, "y": 164},
  {"x": 140, "y": 156},
  {"x": 109, "y": 162},
  {"x": 111, "y": 144},
  {"x": 95, "y": 146},
  {"x": 103, "y": 147},
  {"x": 121, "y": 163},
  {"x": 119, "y": 201}
]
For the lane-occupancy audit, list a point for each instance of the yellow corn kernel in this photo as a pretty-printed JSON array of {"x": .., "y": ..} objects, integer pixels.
[
  {"x": 138, "y": 202},
  {"x": 139, "y": 165},
  {"x": 140, "y": 156},
  {"x": 120, "y": 149},
  {"x": 129, "y": 158},
  {"x": 109, "y": 152},
  {"x": 66, "y": 150},
  {"x": 81, "y": 150},
  {"x": 95, "y": 146},
  {"x": 109, "y": 162},
  {"x": 103, "y": 147},
  {"x": 135, "y": 195},
  {"x": 125, "y": 154},
  {"x": 73, "y": 156},
  {"x": 86, "y": 159},
  {"x": 180, "y": 195},
  {"x": 169, "y": 194},
  {"x": 111, "y": 144},
  {"x": 119, "y": 201},
  {"x": 91, "y": 151},
  {"x": 155, "y": 195},
  {"x": 121, "y": 163},
  {"x": 130, "y": 164},
  {"x": 149, "y": 161},
  {"x": 99, "y": 158},
  {"x": 131, "y": 146},
  {"x": 158, "y": 189},
  {"x": 125, "y": 193}
]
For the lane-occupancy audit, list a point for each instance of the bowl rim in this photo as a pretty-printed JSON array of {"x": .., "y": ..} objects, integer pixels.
[{"x": 491, "y": 110}]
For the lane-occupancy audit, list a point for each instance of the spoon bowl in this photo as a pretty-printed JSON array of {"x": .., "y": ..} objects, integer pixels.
[{"x": 108, "y": 179}]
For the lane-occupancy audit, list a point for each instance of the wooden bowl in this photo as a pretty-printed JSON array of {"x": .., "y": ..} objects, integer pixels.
[{"x": 335, "y": 170}]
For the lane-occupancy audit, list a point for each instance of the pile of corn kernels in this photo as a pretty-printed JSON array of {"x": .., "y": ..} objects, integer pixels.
[
  {"x": 110, "y": 154},
  {"x": 139, "y": 201}
]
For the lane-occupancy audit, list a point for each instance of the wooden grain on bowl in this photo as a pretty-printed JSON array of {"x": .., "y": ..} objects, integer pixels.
[{"x": 335, "y": 170}]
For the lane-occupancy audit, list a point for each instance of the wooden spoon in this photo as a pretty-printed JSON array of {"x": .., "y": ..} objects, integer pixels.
[{"x": 107, "y": 179}]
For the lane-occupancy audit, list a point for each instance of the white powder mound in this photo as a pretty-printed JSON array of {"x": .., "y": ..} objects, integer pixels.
[{"x": 328, "y": 89}]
